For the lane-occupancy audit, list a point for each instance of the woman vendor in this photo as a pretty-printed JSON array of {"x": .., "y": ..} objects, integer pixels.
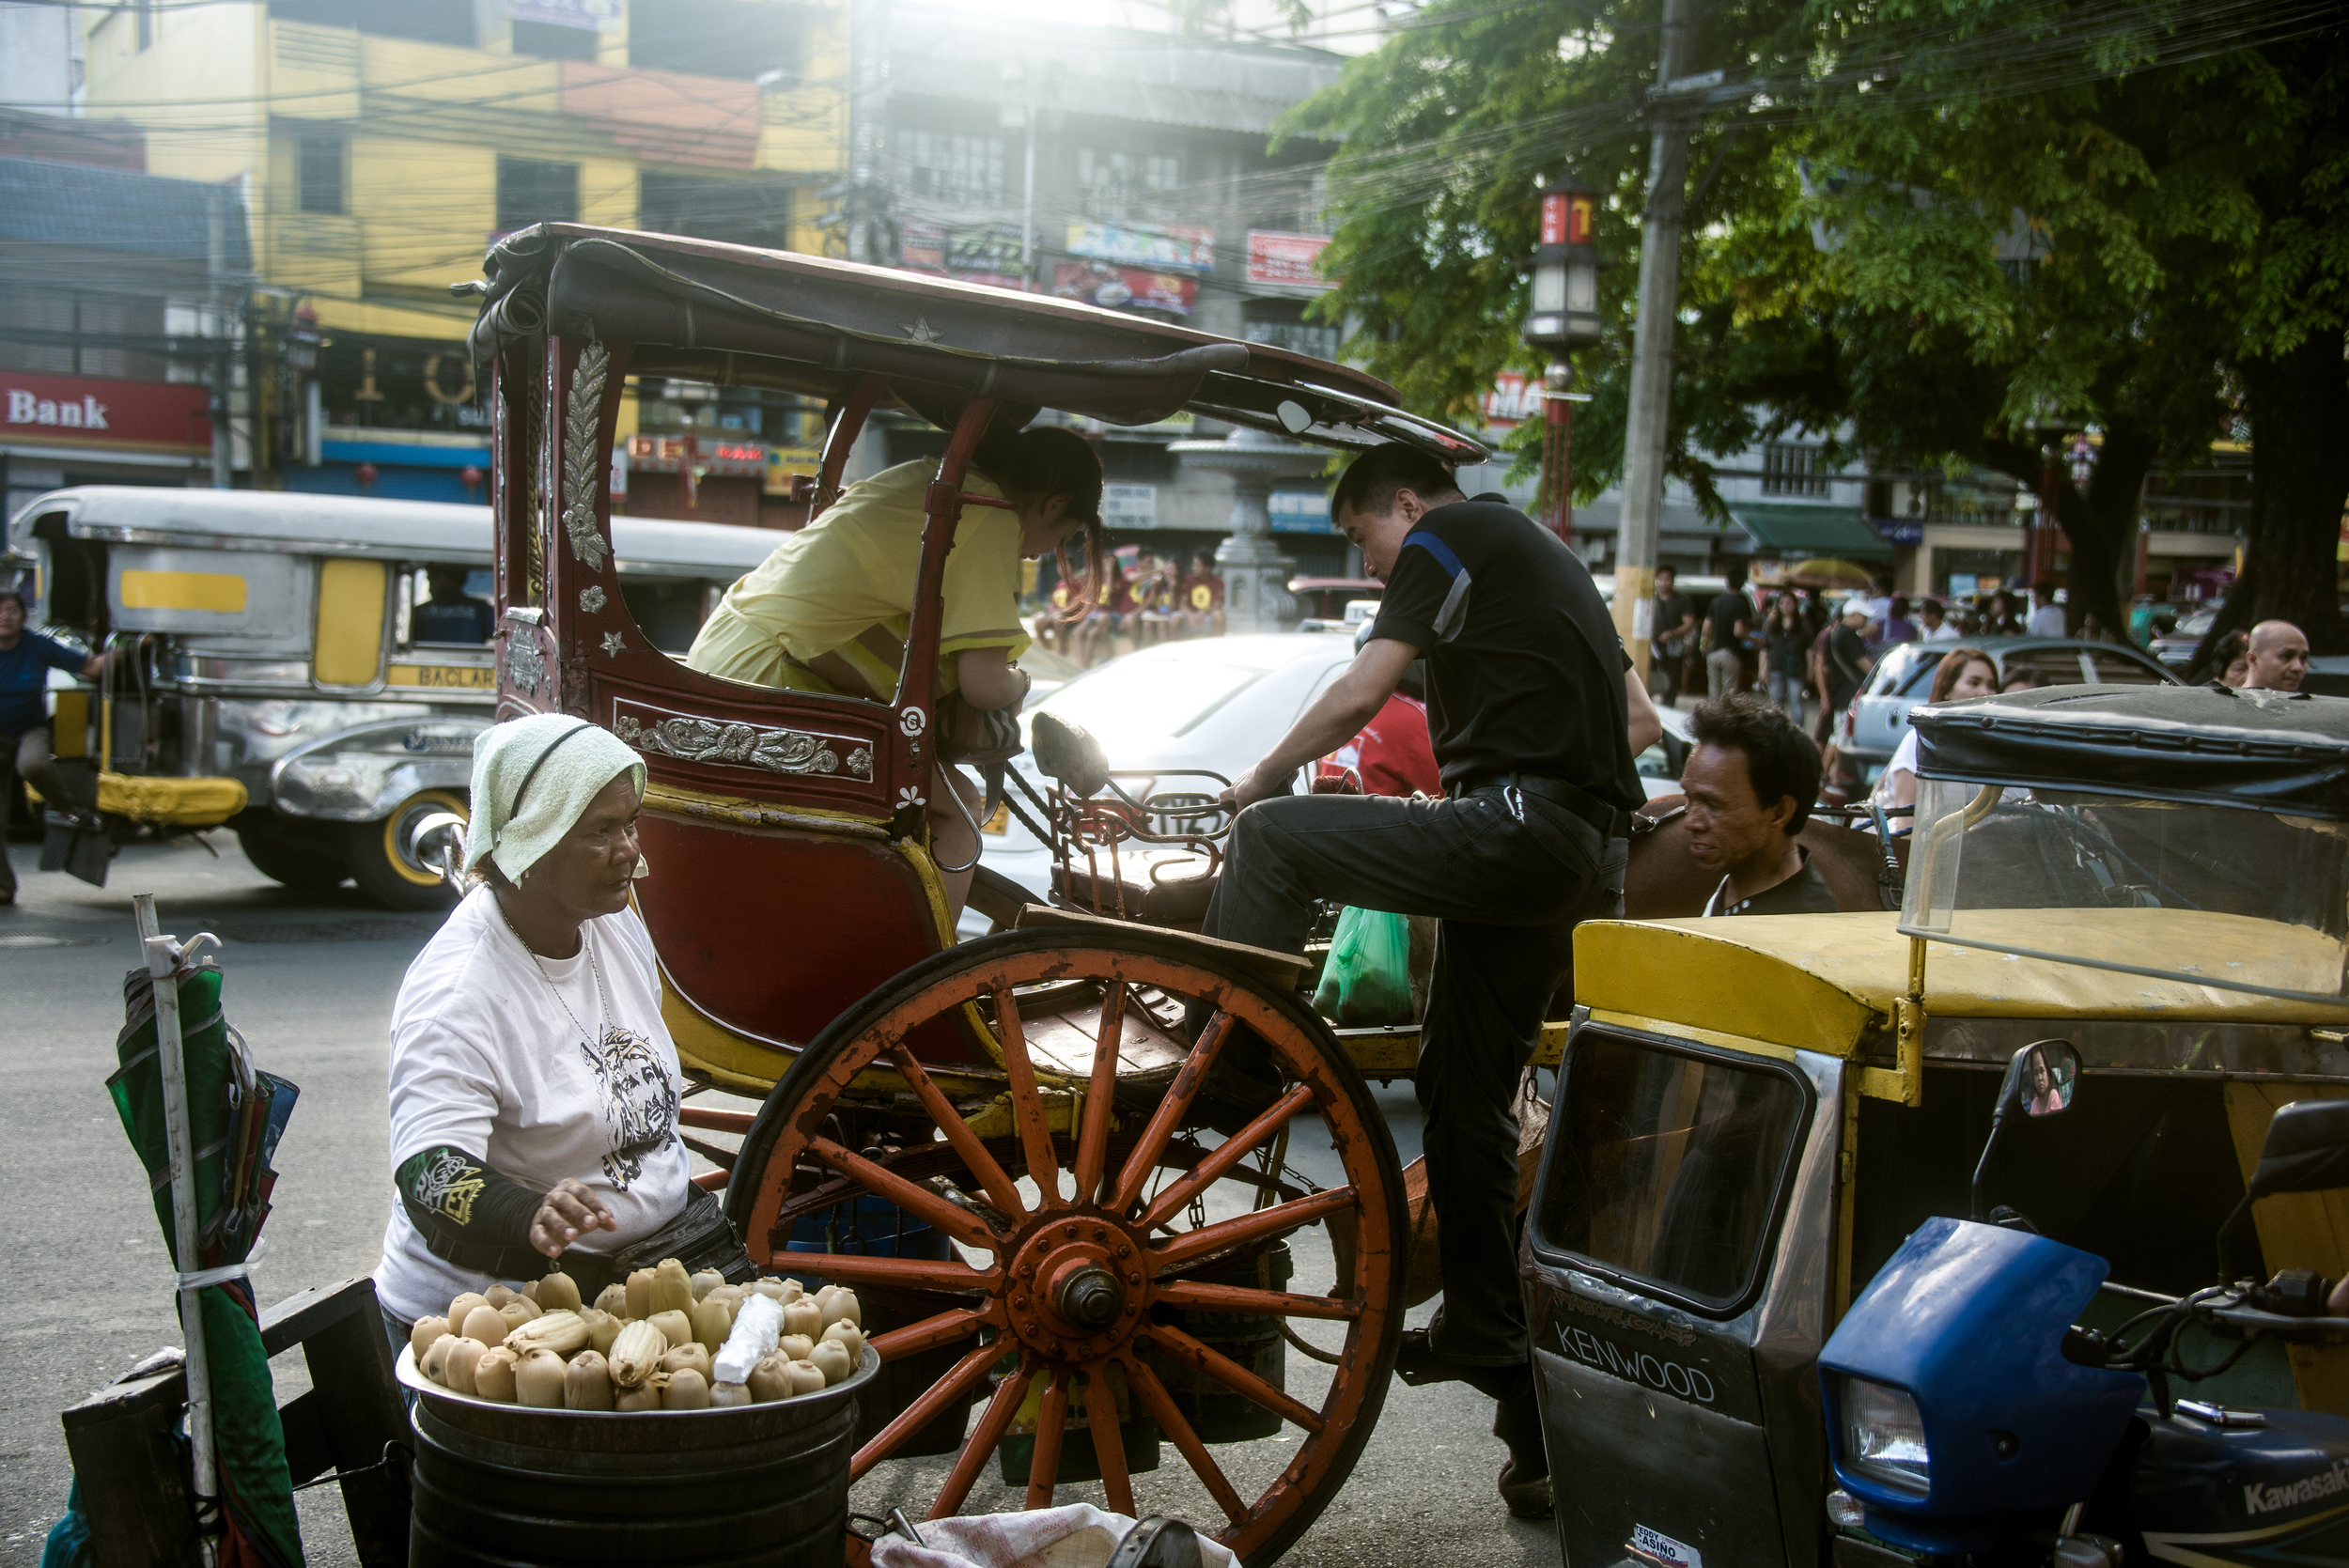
[
  {"x": 534, "y": 1087},
  {"x": 831, "y": 608}
]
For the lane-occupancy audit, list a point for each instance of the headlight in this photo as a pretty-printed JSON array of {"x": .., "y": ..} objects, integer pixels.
[{"x": 1884, "y": 1436}]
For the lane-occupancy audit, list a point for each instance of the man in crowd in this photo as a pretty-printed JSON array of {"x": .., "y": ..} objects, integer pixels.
[
  {"x": 1536, "y": 714},
  {"x": 1726, "y": 622},
  {"x": 1751, "y": 784},
  {"x": 25, "y": 660},
  {"x": 1935, "y": 622},
  {"x": 1202, "y": 598},
  {"x": 1676, "y": 619},
  {"x": 2046, "y": 616},
  {"x": 2280, "y": 657},
  {"x": 451, "y": 615}
]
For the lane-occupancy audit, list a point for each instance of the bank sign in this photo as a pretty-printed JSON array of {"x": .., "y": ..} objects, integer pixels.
[{"x": 86, "y": 411}]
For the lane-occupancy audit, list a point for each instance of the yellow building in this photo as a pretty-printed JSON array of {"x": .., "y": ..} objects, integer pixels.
[{"x": 383, "y": 144}]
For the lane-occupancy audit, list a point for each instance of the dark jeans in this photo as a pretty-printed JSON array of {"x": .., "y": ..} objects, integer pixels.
[
  {"x": 1509, "y": 875},
  {"x": 26, "y": 755}
]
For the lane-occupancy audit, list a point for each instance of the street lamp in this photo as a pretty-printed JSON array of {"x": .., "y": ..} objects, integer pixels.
[{"x": 1565, "y": 317}]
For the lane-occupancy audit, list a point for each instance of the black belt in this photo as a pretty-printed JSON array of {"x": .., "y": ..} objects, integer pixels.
[{"x": 1604, "y": 820}]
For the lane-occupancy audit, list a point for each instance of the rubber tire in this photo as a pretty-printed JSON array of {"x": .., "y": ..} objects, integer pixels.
[
  {"x": 291, "y": 864},
  {"x": 809, "y": 1067},
  {"x": 378, "y": 877}
]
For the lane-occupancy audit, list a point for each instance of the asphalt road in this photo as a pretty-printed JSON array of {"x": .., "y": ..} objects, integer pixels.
[{"x": 309, "y": 982}]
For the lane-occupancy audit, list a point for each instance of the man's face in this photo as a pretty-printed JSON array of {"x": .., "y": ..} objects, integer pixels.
[
  {"x": 1727, "y": 826},
  {"x": 11, "y": 617},
  {"x": 1379, "y": 535},
  {"x": 2279, "y": 658},
  {"x": 1664, "y": 580}
]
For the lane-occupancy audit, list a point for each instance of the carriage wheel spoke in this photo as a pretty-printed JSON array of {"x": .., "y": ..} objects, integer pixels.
[
  {"x": 1169, "y": 1113},
  {"x": 1234, "y": 1377},
  {"x": 1052, "y": 1423},
  {"x": 1201, "y": 1297},
  {"x": 931, "y": 1332},
  {"x": 1226, "y": 1155},
  {"x": 854, "y": 1269},
  {"x": 1109, "y": 1441},
  {"x": 919, "y": 1414},
  {"x": 1093, "y": 1142},
  {"x": 957, "y": 1223},
  {"x": 981, "y": 1446},
  {"x": 1027, "y": 1105},
  {"x": 1001, "y": 1189},
  {"x": 1262, "y": 1225},
  {"x": 1153, "y": 1393}
]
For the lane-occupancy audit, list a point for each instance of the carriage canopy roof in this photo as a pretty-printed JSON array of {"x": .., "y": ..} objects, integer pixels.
[
  {"x": 737, "y": 316},
  {"x": 2202, "y": 745}
]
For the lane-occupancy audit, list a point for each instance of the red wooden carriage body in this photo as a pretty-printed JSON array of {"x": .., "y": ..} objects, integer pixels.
[{"x": 1027, "y": 1094}]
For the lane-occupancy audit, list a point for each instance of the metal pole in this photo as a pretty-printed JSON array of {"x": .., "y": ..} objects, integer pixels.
[
  {"x": 216, "y": 266},
  {"x": 1027, "y": 196},
  {"x": 162, "y": 954},
  {"x": 1645, "y": 436}
]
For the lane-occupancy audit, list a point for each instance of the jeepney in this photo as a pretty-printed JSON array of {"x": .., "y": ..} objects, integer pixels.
[
  {"x": 1752, "y": 1114},
  {"x": 269, "y": 674}
]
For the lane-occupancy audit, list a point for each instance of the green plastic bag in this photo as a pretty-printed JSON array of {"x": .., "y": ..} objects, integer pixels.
[{"x": 1368, "y": 977}]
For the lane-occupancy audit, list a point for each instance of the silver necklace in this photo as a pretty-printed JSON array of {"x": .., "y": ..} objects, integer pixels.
[{"x": 603, "y": 994}]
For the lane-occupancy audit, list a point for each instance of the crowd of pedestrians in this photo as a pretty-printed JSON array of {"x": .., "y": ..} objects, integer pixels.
[{"x": 1147, "y": 600}]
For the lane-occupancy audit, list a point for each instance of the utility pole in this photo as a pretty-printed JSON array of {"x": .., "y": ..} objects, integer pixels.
[
  {"x": 869, "y": 113},
  {"x": 1650, "y": 415}
]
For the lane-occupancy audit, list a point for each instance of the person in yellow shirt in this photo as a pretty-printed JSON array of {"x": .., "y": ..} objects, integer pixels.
[{"x": 831, "y": 608}]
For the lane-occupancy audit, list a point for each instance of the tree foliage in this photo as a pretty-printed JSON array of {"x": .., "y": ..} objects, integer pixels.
[{"x": 1955, "y": 227}]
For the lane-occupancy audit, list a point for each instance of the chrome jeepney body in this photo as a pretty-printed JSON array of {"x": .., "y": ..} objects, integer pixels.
[{"x": 268, "y": 674}]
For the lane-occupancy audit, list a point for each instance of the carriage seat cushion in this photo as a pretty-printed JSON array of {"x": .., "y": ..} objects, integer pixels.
[{"x": 1180, "y": 900}]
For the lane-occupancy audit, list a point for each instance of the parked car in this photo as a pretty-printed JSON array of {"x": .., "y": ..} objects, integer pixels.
[
  {"x": 1211, "y": 703},
  {"x": 1870, "y": 728},
  {"x": 2175, "y": 648}
]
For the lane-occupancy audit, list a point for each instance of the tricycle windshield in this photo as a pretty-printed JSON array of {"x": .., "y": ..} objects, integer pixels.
[
  {"x": 1669, "y": 1167},
  {"x": 2231, "y": 897}
]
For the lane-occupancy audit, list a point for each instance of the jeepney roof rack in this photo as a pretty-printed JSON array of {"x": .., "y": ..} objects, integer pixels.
[
  {"x": 736, "y": 316},
  {"x": 2198, "y": 745}
]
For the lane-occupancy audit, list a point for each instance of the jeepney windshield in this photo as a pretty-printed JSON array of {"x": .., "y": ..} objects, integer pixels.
[
  {"x": 2231, "y": 897},
  {"x": 1669, "y": 1166}
]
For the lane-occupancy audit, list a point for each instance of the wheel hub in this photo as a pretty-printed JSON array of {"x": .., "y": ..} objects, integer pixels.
[{"x": 1076, "y": 1287}]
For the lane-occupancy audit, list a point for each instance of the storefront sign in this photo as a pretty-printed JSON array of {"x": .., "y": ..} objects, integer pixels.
[
  {"x": 1124, "y": 288},
  {"x": 1286, "y": 260},
  {"x": 88, "y": 411},
  {"x": 1512, "y": 398},
  {"x": 1171, "y": 247},
  {"x": 974, "y": 252},
  {"x": 1900, "y": 531},
  {"x": 668, "y": 454},
  {"x": 785, "y": 463},
  {"x": 598, "y": 16},
  {"x": 1301, "y": 512}
]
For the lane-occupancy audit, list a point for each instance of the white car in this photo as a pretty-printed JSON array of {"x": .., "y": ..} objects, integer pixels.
[{"x": 1214, "y": 703}]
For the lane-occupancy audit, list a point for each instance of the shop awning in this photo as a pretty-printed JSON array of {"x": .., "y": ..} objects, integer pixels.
[{"x": 1794, "y": 529}]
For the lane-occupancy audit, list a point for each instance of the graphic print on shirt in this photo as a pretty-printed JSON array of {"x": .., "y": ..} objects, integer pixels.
[
  {"x": 639, "y": 1101},
  {"x": 443, "y": 1183}
]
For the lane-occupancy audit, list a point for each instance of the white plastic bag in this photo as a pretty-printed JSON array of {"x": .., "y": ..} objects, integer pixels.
[{"x": 1077, "y": 1536}]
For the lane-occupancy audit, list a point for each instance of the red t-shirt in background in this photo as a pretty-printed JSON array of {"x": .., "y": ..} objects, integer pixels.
[
  {"x": 1393, "y": 754},
  {"x": 1203, "y": 591}
]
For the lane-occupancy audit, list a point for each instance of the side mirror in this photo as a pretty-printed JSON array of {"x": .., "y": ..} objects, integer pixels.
[
  {"x": 1070, "y": 753},
  {"x": 2041, "y": 1078},
  {"x": 2307, "y": 1149}
]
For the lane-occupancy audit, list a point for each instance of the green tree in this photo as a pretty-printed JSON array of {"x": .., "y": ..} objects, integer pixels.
[{"x": 2018, "y": 220}]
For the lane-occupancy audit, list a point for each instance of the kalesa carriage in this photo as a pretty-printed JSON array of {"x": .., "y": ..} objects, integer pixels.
[{"x": 1128, "y": 1279}]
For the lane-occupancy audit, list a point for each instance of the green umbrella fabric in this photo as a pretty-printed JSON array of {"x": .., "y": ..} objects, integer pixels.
[{"x": 235, "y": 1114}]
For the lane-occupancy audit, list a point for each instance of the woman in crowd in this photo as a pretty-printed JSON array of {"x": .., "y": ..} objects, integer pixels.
[
  {"x": 534, "y": 1087},
  {"x": 1786, "y": 656},
  {"x": 1962, "y": 672},
  {"x": 2229, "y": 662}
]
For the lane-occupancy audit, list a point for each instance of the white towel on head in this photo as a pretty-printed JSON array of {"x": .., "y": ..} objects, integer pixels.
[{"x": 532, "y": 778}]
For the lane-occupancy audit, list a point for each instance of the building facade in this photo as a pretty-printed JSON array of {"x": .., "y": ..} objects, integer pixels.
[{"x": 382, "y": 147}]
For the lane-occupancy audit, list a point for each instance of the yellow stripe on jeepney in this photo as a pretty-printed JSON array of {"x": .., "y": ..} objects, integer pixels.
[
  {"x": 469, "y": 677},
  {"x": 221, "y": 592}
]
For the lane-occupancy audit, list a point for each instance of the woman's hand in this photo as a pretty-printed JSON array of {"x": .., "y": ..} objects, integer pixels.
[
  {"x": 568, "y": 1212},
  {"x": 986, "y": 682}
]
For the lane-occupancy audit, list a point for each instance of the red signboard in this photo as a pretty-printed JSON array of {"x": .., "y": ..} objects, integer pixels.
[
  {"x": 151, "y": 416},
  {"x": 1566, "y": 217},
  {"x": 1286, "y": 260},
  {"x": 1124, "y": 288}
]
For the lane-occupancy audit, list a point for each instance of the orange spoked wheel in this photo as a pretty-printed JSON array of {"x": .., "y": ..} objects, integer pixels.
[{"x": 1114, "y": 1286}]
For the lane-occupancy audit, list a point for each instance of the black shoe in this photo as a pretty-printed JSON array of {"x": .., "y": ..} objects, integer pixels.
[
  {"x": 1529, "y": 1499},
  {"x": 1417, "y": 1364}
]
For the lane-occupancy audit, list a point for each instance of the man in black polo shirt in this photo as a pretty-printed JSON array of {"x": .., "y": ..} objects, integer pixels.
[
  {"x": 1535, "y": 715},
  {"x": 1751, "y": 784}
]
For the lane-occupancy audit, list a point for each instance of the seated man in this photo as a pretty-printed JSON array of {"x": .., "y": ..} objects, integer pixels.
[
  {"x": 451, "y": 615},
  {"x": 1751, "y": 784}
]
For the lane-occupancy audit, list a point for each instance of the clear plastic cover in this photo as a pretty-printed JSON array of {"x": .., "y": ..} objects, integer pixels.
[{"x": 2242, "y": 900}]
